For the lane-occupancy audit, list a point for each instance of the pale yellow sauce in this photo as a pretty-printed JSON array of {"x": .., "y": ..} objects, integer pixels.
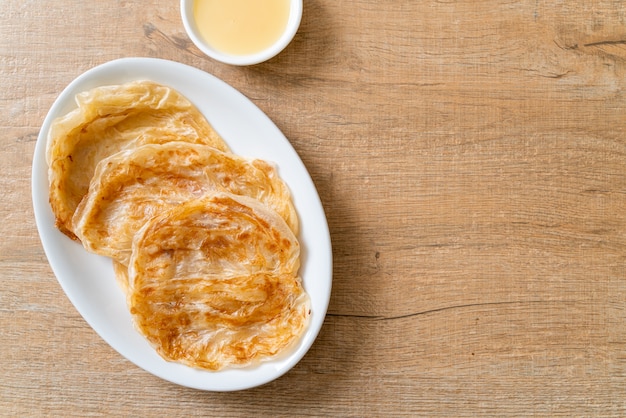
[{"x": 241, "y": 27}]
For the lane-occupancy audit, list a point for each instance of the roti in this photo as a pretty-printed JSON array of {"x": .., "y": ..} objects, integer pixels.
[
  {"x": 109, "y": 119},
  {"x": 130, "y": 187},
  {"x": 214, "y": 283},
  {"x": 203, "y": 242}
]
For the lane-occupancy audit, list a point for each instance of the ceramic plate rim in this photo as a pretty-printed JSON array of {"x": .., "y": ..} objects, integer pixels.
[{"x": 98, "y": 301}]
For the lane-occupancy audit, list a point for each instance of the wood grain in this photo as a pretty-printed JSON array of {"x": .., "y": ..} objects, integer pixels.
[{"x": 470, "y": 156}]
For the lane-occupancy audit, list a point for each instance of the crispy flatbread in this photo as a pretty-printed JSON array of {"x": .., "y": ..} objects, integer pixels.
[
  {"x": 109, "y": 119},
  {"x": 130, "y": 187},
  {"x": 121, "y": 275},
  {"x": 213, "y": 283}
]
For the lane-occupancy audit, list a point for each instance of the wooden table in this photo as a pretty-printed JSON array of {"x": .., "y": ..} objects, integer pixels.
[{"x": 471, "y": 159}]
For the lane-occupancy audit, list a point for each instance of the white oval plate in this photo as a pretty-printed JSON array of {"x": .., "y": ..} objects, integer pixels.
[{"x": 88, "y": 279}]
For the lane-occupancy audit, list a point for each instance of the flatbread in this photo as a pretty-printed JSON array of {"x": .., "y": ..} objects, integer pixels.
[
  {"x": 109, "y": 119},
  {"x": 203, "y": 242},
  {"x": 213, "y": 283},
  {"x": 131, "y": 186},
  {"x": 121, "y": 275}
]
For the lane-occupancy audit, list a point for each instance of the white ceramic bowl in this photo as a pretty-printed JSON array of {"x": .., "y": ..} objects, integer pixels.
[{"x": 295, "y": 16}]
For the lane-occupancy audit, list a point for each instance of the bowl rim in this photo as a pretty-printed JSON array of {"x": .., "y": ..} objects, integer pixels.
[{"x": 293, "y": 24}]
